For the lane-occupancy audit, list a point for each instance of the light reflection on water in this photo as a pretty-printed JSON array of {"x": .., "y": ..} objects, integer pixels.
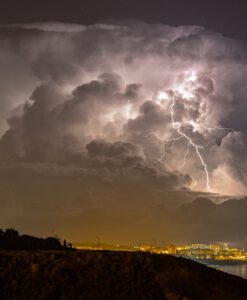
[{"x": 238, "y": 270}]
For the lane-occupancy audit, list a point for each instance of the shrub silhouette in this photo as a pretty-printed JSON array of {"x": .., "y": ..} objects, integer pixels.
[{"x": 11, "y": 240}]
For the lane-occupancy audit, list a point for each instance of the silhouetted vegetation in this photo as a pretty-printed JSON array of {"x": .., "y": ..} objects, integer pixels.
[
  {"x": 101, "y": 275},
  {"x": 11, "y": 240}
]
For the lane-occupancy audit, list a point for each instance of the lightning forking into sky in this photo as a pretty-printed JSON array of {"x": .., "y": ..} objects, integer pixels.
[
  {"x": 177, "y": 126},
  {"x": 185, "y": 91},
  {"x": 186, "y": 94}
]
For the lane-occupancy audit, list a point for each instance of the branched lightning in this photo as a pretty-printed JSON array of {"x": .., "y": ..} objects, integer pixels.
[
  {"x": 177, "y": 126},
  {"x": 185, "y": 91}
]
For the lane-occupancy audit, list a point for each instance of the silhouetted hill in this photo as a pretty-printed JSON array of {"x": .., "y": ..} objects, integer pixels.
[
  {"x": 101, "y": 275},
  {"x": 205, "y": 221},
  {"x": 11, "y": 240}
]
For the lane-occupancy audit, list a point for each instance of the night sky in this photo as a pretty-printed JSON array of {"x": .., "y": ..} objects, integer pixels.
[
  {"x": 124, "y": 121},
  {"x": 227, "y": 17}
]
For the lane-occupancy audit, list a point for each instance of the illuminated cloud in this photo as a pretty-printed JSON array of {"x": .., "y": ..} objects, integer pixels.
[{"x": 94, "y": 103}]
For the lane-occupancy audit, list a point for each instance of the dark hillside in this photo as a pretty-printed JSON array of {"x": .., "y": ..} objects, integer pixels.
[{"x": 110, "y": 275}]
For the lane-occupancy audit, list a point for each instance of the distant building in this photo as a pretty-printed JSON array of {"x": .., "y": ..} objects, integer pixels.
[
  {"x": 199, "y": 246},
  {"x": 172, "y": 249},
  {"x": 219, "y": 247},
  {"x": 198, "y": 253}
]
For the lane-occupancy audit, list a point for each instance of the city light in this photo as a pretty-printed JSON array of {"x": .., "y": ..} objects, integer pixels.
[{"x": 200, "y": 252}]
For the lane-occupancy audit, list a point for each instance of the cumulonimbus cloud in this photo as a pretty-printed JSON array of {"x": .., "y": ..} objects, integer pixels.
[{"x": 97, "y": 99}]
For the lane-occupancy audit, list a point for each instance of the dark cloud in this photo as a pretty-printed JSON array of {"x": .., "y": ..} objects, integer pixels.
[{"x": 151, "y": 118}]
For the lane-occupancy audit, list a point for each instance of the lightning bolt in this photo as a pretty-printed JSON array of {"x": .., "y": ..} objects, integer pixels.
[
  {"x": 182, "y": 135},
  {"x": 177, "y": 126},
  {"x": 185, "y": 91}
]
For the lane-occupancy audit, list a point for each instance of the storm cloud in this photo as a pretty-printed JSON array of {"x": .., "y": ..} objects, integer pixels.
[{"x": 86, "y": 124}]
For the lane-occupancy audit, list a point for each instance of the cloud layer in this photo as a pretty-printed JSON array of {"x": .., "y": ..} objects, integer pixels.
[{"x": 85, "y": 117}]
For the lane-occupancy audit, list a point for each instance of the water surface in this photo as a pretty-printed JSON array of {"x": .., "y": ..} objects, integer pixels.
[{"x": 238, "y": 270}]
